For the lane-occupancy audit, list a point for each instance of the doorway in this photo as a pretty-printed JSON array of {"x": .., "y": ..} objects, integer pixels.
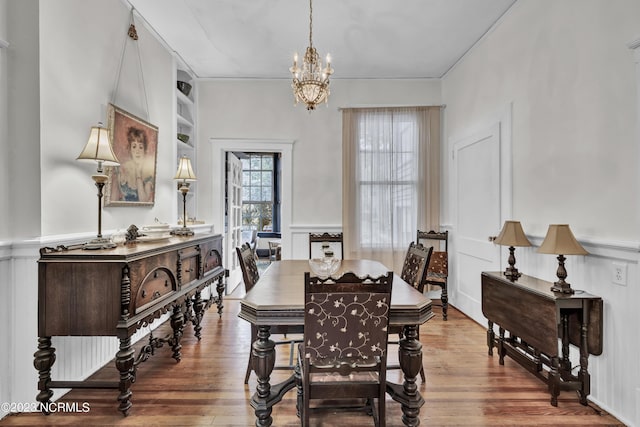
[
  {"x": 219, "y": 155},
  {"x": 482, "y": 200}
]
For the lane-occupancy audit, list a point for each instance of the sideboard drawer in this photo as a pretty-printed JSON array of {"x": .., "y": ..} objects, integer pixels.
[
  {"x": 159, "y": 284},
  {"x": 189, "y": 258},
  {"x": 211, "y": 253}
]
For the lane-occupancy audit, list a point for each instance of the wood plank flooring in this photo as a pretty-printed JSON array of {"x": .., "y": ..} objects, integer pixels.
[{"x": 465, "y": 386}]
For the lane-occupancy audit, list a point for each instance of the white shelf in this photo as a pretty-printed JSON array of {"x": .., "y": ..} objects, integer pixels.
[
  {"x": 186, "y": 123},
  {"x": 184, "y": 99},
  {"x": 184, "y": 145},
  {"x": 183, "y": 120}
]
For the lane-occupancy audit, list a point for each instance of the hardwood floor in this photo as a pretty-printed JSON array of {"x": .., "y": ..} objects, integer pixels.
[{"x": 465, "y": 386}]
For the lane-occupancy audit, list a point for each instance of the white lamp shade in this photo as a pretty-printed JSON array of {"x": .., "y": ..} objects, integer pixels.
[
  {"x": 98, "y": 148},
  {"x": 185, "y": 172}
]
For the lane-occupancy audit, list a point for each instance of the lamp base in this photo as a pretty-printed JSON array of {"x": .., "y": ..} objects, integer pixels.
[
  {"x": 182, "y": 231},
  {"x": 99, "y": 243},
  {"x": 512, "y": 273},
  {"x": 562, "y": 287}
]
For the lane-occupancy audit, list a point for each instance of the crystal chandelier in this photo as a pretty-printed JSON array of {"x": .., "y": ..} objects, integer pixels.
[{"x": 311, "y": 82}]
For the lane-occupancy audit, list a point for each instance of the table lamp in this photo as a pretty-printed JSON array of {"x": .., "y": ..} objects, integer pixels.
[
  {"x": 560, "y": 241},
  {"x": 184, "y": 173},
  {"x": 512, "y": 235},
  {"x": 98, "y": 149}
]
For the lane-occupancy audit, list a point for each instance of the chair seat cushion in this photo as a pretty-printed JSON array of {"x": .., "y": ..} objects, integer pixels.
[
  {"x": 435, "y": 277},
  {"x": 361, "y": 377}
]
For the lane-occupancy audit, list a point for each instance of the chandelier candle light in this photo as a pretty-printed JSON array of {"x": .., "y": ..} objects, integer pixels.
[
  {"x": 184, "y": 173},
  {"x": 98, "y": 149},
  {"x": 311, "y": 82}
]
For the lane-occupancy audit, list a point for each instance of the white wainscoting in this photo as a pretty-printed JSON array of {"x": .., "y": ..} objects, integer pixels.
[
  {"x": 615, "y": 375},
  {"x": 300, "y": 237},
  {"x": 6, "y": 331}
]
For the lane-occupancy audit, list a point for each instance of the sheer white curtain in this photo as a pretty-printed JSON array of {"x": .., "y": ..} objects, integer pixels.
[{"x": 391, "y": 182}]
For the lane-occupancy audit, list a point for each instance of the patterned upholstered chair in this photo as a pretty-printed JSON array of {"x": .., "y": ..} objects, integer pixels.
[
  {"x": 344, "y": 352},
  {"x": 250, "y": 275},
  {"x": 414, "y": 270},
  {"x": 438, "y": 270},
  {"x": 319, "y": 238}
]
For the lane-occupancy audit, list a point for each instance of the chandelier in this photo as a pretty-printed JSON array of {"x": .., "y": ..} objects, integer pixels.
[{"x": 311, "y": 82}]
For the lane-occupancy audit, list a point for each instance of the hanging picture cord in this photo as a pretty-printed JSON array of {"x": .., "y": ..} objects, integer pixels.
[{"x": 131, "y": 34}]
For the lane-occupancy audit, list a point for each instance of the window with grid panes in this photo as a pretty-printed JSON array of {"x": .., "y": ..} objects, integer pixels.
[{"x": 257, "y": 192}]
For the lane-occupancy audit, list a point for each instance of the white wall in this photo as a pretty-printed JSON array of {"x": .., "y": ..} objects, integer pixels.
[
  {"x": 570, "y": 75},
  {"x": 263, "y": 109},
  {"x": 78, "y": 70},
  {"x": 4, "y": 135},
  {"x": 59, "y": 72},
  {"x": 567, "y": 69},
  {"x": 23, "y": 116}
]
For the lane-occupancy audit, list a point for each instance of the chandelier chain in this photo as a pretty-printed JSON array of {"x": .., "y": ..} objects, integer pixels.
[
  {"x": 310, "y": 22},
  {"x": 310, "y": 79}
]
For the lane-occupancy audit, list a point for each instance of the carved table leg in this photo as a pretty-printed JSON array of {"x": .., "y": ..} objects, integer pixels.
[
  {"x": 501, "y": 349},
  {"x": 220, "y": 289},
  {"x": 124, "y": 363},
  {"x": 188, "y": 311},
  {"x": 583, "y": 375},
  {"x": 43, "y": 360},
  {"x": 565, "y": 365},
  {"x": 444, "y": 298},
  {"x": 554, "y": 381},
  {"x": 491, "y": 336},
  {"x": 263, "y": 361},
  {"x": 198, "y": 310},
  {"x": 177, "y": 323},
  {"x": 410, "y": 357}
]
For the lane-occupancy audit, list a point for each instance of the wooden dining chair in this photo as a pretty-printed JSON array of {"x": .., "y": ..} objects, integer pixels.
[
  {"x": 344, "y": 352},
  {"x": 250, "y": 275},
  {"x": 414, "y": 270},
  {"x": 438, "y": 269},
  {"x": 319, "y": 238}
]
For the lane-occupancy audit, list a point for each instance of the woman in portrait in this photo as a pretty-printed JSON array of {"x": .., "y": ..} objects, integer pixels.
[{"x": 135, "y": 176}]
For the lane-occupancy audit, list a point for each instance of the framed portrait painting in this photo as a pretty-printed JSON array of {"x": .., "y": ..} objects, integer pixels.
[{"x": 135, "y": 143}]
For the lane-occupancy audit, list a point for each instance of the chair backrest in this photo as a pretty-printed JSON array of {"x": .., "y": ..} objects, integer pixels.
[
  {"x": 414, "y": 269},
  {"x": 346, "y": 319},
  {"x": 250, "y": 273},
  {"x": 439, "y": 263},
  {"x": 319, "y": 238},
  {"x": 442, "y": 237}
]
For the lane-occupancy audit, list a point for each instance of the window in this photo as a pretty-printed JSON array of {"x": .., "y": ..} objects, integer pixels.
[
  {"x": 387, "y": 178},
  {"x": 390, "y": 173},
  {"x": 258, "y": 195}
]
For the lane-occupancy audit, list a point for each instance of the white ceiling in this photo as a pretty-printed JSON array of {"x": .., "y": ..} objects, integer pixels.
[{"x": 366, "y": 38}]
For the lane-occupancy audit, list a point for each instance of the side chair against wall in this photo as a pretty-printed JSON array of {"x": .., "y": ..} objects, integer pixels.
[
  {"x": 438, "y": 270},
  {"x": 344, "y": 352},
  {"x": 250, "y": 276},
  {"x": 414, "y": 271},
  {"x": 319, "y": 238}
]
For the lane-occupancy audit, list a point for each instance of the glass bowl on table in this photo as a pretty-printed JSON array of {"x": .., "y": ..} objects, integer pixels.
[{"x": 324, "y": 267}]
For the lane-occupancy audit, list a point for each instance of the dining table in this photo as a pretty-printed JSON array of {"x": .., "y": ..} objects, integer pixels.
[{"x": 277, "y": 301}]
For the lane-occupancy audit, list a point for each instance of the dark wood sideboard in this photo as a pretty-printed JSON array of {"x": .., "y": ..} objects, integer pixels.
[
  {"x": 539, "y": 322},
  {"x": 114, "y": 292}
]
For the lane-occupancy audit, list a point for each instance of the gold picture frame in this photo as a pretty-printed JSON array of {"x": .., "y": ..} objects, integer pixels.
[{"x": 135, "y": 143}]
